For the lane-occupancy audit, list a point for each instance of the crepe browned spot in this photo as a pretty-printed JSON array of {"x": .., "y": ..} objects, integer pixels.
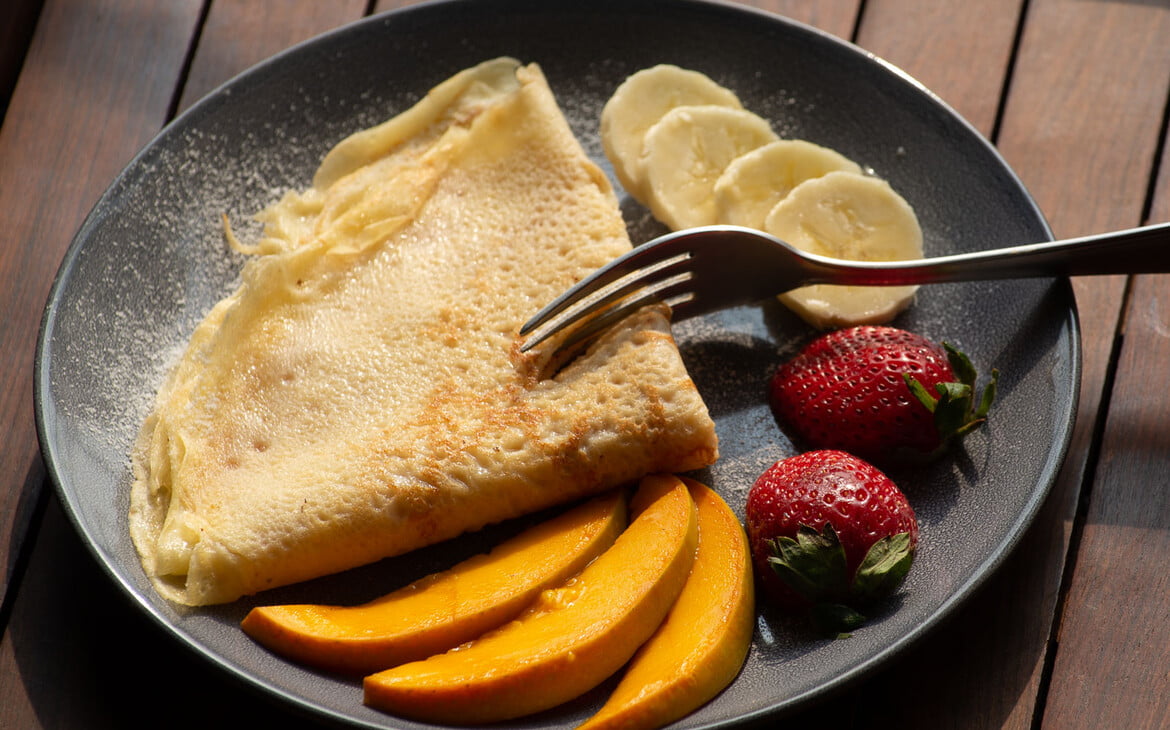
[{"x": 362, "y": 393}]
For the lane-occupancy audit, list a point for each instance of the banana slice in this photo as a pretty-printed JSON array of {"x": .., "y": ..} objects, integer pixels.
[
  {"x": 686, "y": 151},
  {"x": 754, "y": 182},
  {"x": 849, "y": 216},
  {"x": 639, "y": 102}
]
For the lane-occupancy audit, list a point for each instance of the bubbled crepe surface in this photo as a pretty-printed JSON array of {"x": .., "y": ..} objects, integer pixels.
[{"x": 357, "y": 398}]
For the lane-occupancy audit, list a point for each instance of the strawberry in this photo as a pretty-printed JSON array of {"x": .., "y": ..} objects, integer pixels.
[
  {"x": 881, "y": 393},
  {"x": 831, "y": 533}
]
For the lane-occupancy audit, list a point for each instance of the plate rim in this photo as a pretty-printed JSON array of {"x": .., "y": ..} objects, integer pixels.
[{"x": 45, "y": 410}]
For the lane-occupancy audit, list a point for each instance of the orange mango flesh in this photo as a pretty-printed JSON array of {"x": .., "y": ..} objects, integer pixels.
[
  {"x": 448, "y": 608},
  {"x": 572, "y": 639},
  {"x": 702, "y": 644}
]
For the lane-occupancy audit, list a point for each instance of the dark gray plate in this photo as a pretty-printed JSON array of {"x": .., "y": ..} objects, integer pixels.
[{"x": 150, "y": 260}]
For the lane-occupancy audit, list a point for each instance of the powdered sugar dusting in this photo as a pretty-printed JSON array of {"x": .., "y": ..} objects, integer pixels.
[{"x": 152, "y": 268}]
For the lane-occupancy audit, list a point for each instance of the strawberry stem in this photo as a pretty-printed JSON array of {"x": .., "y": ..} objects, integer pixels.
[{"x": 814, "y": 565}]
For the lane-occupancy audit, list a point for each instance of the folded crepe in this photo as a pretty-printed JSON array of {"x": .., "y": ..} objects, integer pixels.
[{"x": 362, "y": 393}]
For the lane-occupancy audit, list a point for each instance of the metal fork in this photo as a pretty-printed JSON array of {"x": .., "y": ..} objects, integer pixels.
[{"x": 701, "y": 270}]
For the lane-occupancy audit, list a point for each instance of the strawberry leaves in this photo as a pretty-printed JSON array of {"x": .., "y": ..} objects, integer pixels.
[
  {"x": 814, "y": 565},
  {"x": 955, "y": 411},
  {"x": 884, "y": 568}
]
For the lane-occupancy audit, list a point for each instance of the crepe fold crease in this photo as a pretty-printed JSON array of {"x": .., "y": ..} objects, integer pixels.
[{"x": 362, "y": 393}]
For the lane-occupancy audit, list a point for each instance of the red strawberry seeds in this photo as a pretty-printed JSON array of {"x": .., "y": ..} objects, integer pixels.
[
  {"x": 828, "y": 529},
  {"x": 881, "y": 393}
]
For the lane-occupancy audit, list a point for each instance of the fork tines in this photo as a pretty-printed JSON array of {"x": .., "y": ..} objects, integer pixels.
[{"x": 608, "y": 295}]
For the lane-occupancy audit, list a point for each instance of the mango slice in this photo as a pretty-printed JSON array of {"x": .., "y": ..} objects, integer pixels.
[
  {"x": 702, "y": 644},
  {"x": 448, "y": 608},
  {"x": 572, "y": 639}
]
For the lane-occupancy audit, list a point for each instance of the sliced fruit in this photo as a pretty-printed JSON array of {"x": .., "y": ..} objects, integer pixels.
[
  {"x": 756, "y": 181},
  {"x": 445, "y": 609},
  {"x": 848, "y": 216},
  {"x": 571, "y": 639},
  {"x": 686, "y": 151},
  {"x": 704, "y": 640},
  {"x": 639, "y": 102}
]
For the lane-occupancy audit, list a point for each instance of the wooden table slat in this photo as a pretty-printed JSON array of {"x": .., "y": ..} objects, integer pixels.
[
  {"x": 1083, "y": 135},
  {"x": 1111, "y": 667}
]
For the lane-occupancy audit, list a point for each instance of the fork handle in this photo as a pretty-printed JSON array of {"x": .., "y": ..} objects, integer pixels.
[{"x": 1144, "y": 250}]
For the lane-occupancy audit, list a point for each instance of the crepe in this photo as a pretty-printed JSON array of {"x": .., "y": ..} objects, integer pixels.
[{"x": 362, "y": 393}]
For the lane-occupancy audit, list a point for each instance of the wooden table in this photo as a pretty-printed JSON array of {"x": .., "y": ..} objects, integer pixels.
[{"x": 1073, "y": 632}]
